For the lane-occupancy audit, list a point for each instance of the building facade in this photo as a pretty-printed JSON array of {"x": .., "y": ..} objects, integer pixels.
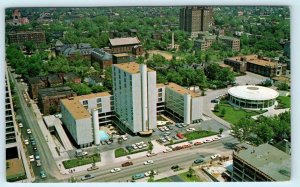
[
  {"x": 135, "y": 96},
  {"x": 49, "y": 98},
  {"x": 38, "y": 37},
  {"x": 233, "y": 43},
  {"x": 102, "y": 57},
  {"x": 77, "y": 115},
  {"x": 123, "y": 45},
  {"x": 195, "y": 19},
  {"x": 261, "y": 163}
]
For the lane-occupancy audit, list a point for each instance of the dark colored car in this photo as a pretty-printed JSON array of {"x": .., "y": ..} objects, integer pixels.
[
  {"x": 88, "y": 176},
  {"x": 198, "y": 161},
  {"x": 127, "y": 164},
  {"x": 175, "y": 167}
]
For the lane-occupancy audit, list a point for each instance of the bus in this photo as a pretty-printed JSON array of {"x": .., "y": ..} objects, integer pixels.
[{"x": 138, "y": 176}]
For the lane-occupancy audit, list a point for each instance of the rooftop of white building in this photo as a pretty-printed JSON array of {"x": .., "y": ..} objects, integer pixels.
[
  {"x": 130, "y": 67},
  {"x": 251, "y": 92},
  {"x": 177, "y": 88}
]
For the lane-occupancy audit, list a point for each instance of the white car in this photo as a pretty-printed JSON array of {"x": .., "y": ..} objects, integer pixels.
[
  {"x": 84, "y": 153},
  {"x": 215, "y": 156},
  {"x": 28, "y": 131},
  {"x": 124, "y": 137},
  {"x": 135, "y": 147},
  {"x": 151, "y": 154},
  {"x": 167, "y": 150},
  {"x": 190, "y": 129},
  {"x": 144, "y": 145},
  {"x": 216, "y": 138},
  {"x": 208, "y": 140},
  {"x": 161, "y": 129},
  {"x": 148, "y": 162},
  {"x": 31, "y": 158},
  {"x": 148, "y": 173},
  {"x": 115, "y": 170},
  {"x": 20, "y": 125},
  {"x": 140, "y": 146},
  {"x": 166, "y": 128},
  {"x": 167, "y": 133},
  {"x": 26, "y": 142}
]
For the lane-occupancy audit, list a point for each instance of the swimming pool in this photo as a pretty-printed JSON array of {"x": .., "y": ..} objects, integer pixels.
[{"x": 103, "y": 135}]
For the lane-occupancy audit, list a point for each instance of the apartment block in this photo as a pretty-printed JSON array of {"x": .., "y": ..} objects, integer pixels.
[
  {"x": 135, "y": 96},
  {"x": 233, "y": 43},
  {"x": 20, "y": 37},
  {"x": 195, "y": 19},
  {"x": 261, "y": 163}
]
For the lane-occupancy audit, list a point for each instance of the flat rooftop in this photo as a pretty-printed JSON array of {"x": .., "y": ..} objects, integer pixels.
[
  {"x": 124, "y": 41},
  {"x": 76, "y": 109},
  {"x": 254, "y": 60},
  {"x": 268, "y": 159},
  {"x": 130, "y": 67},
  {"x": 55, "y": 91},
  {"x": 121, "y": 55},
  {"x": 181, "y": 90}
]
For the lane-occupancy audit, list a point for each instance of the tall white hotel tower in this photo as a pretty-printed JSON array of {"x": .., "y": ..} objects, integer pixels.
[{"x": 135, "y": 96}]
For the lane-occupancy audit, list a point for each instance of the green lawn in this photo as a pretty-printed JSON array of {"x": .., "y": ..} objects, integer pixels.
[
  {"x": 167, "y": 179},
  {"x": 284, "y": 101},
  {"x": 194, "y": 178},
  {"x": 198, "y": 134},
  {"x": 233, "y": 115},
  {"x": 120, "y": 152},
  {"x": 81, "y": 161}
]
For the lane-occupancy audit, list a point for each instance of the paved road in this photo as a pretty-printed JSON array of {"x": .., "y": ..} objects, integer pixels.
[
  {"x": 30, "y": 121},
  {"x": 163, "y": 161}
]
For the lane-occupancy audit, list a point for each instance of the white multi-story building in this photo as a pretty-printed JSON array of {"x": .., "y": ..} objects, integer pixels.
[
  {"x": 181, "y": 103},
  {"x": 77, "y": 115},
  {"x": 135, "y": 96}
]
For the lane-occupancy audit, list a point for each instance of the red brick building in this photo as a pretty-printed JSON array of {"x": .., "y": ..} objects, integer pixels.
[{"x": 123, "y": 45}]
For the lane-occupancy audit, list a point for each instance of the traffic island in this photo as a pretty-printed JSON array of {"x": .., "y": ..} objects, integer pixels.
[{"x": 80, "y": 161}]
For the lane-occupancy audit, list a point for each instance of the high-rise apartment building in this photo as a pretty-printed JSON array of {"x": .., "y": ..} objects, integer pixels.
[
  {"x": 135, "y": 96},
  {"x": 195, "y": 19}
]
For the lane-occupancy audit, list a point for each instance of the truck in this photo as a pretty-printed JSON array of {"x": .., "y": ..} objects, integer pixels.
[{"x": 138, "y": 176}]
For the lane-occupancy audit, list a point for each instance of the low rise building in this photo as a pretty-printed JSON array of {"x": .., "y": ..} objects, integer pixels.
[
  {"x": 49, "y": 98},
  {"x": 121, "y": 58},
  {"x": 34, "y": 84},
  {"x": 233, "y": 43},
  {"x": 257, "y": 64},
  {"x": 73, "y": 51},
  {"x": 102, "y": 57},
  {"x": 123, "y": 45},
  {"x": 261, "y": 163}
]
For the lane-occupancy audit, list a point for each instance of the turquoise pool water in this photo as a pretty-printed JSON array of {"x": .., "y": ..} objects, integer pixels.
[{"x": 103, "y": 135}]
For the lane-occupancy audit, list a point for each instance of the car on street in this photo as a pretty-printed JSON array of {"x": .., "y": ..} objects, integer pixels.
[
  {"x": 151, "y": 154},
  {"x": 127, "y": 164},
  {"x": 190, "y": 129},
  {"x": 115, "y": 170},
  {"x": 108, "y": 142},
  {"x": 26, "y": 142},
  {"x": 43, "y": 174},
  {"x": 88, "y": 176},
  {"x": 180, "y": 135},
  {"x": 166, "y": 128},
  {"x": 215, "y": 156},
  {"x": 161, "y": 129},
  {"x": 84, "y": 153},
  {"x": 184, "y": 125},
  {"x": 28, "y": 131},
  {"x": 167, "y": 150},
  {"x": 124, "y": 137},
  {"x": 198, "y": 161},
  {"x": 20, "y": 125},
  {"x": 37, "y": 156},
  {"x": 208, "y": 140},
  {"x": 198, "y": 143},
  {"x": 170, "y": 127},
  {"x": 35, "y": 149},
  {"x": 31, "y": 158},
  {"x": 148, "y": 173},
  {"x": 174, "y": 167},
  {"x": 167, "y": 133},
  {"x": 148, "y": 162},
  {"x": 216, "y": 138},
  {"x": 33, "y": 143}
]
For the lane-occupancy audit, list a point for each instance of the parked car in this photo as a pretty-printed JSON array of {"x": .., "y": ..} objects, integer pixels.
[
  {"x": 26, "y": 142},
  {"x": 170, "y": 127},
  {"x": 124, "y": 137},
  {"x": 198, "y": 161},
  {"x": 37, "y": 156},
  {"x": 43, "y": 174},
  {"x": 127, "y": 164},
  {"x": 190, "y": 129},
  {"x": 33, "y": 143},
  {"x": 215, "y": 156},
  {"x": 180, "y": 135},
  {"x": 148, "y": 162},
  {"x": 176, "y": 137},
  {"x": 88, "y": 176},
  {"x": 167, "y": 133},
  {"x": 115, "y": 170},
  {"x": 28, "y": 131},
  {"x": 198, "y": 143},
  {"x": 208, "y": 140},
  {"x": 167, "y": 150},
  {"x": 20, "y": 125},
  {"x": 34, "y": 148},
  {"x": 38, "y": 163},
  {"x": 216, "y": 138},
  {"x": 31, "y": 158},
  {"x": 84, "y": 153}
]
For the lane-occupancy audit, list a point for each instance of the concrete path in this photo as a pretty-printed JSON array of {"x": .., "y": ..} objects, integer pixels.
[{"x": 272, "y": 112}]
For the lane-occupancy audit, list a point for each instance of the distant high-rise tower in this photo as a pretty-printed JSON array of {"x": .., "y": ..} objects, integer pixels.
[{"x": 195, "y": 19}]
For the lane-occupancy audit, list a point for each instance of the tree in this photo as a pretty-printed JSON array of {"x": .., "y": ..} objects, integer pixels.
[
  {"x": 190, "y": 172},
  {"x": 221, "y": 130},
  {"x": 223, "y": 111},
  {"x": 29, "y": 46},
  {"x": 216, "y": 108}
]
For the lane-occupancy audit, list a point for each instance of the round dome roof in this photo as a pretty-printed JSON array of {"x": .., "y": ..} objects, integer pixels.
[{"x": 251, "y": 92}]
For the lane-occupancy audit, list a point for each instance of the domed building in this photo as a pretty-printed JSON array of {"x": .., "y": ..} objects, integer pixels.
[{"x": 252, "y": 97}]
